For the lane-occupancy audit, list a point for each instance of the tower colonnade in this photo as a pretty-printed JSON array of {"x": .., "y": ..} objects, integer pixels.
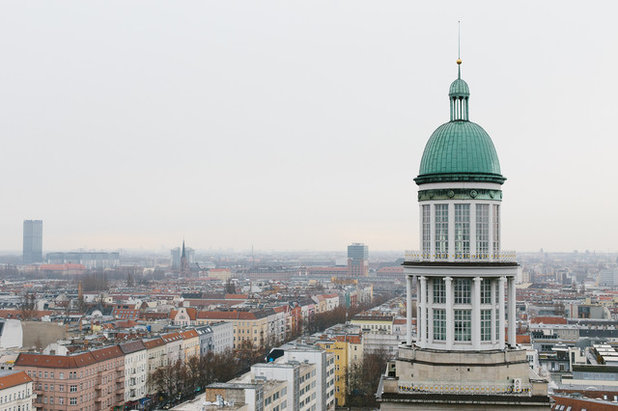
[{"x": 462, "y": 313}]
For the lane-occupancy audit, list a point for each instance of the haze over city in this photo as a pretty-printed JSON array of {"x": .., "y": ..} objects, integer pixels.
[{"x": 297, "y": 126}]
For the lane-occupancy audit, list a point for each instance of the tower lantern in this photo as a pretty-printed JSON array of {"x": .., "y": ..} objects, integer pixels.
[{"x": 466, "y": 316}]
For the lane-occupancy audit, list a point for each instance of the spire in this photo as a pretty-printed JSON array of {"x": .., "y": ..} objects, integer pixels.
[
  {"x": 183, "y": 249},
  {"x": 459, "y": 49},
  {"x": 459, "y": 91}
]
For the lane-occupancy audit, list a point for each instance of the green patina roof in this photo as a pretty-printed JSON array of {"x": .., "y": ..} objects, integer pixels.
[
  {"x": 459, "y": 150},
  {"x": 459, "y": 88}
]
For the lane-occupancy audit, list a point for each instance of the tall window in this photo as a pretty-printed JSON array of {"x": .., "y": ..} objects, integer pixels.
[
  {"x": 482, "y": 230},
  {"x": 485, "y": 325},
  {"x": 439, "y": 324},
  {"x": 439, "y": 291},
  {"x": 426, "y": 230},
  {"x": 486, "y": 291},
  {"x": 496, "y": 229},
  {"x": 462, "y": 291},
  {"x": 441, "y": 231},
  {"x": 463, "y": 331},
  {"x": 462, "y": 230}
]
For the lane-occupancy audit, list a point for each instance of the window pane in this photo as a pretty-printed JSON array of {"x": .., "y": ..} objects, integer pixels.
[
  {"x": 486, "y": 291},
  {"x": 441, "y": 231},
  {"x": 439, "y": 291},
  {"x": 485, "y": 325},
  {"x": 439, "y": 325},
  {"x": 462, "y": 290},
  {"x": 463, "y": 331},
  {"x": 462, "y": 230},
  {"x": 482, "y": 230},
  {"x": 426, "y": 230},
  {"x": 496, "y": 229}
]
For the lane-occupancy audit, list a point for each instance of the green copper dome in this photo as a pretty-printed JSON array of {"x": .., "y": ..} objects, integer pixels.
[
  {"x": 459, "y": 88},
  {"x": 459, "y": 150}
]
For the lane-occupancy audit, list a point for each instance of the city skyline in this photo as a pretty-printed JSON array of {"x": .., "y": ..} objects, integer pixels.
[{"x": 210, "y": 123}]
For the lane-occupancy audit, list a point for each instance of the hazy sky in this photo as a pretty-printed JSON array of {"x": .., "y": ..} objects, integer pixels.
[{"x": 298, "y": 125}]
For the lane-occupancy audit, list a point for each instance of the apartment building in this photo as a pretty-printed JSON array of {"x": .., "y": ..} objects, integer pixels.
[
  {"x": 135, "y": 369},
  {"x": 190, "y": 344},
  {"x": 324, "y": 365},
  {"x": 157, "y": 353},
  {"x": 87, "y": 381},
  {"x": 222, "y": 336},
  {"x": 173, "y": 347},
  {"x": 346, "y": 352},
  {"x": 255, "y": 329},
  {"x": 16, "y": 391}
]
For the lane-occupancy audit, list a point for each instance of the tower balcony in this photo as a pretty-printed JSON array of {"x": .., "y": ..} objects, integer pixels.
[{"x": 416, "y": 256}]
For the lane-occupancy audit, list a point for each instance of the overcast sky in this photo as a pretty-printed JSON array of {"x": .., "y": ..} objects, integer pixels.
[{"x": 298, "y": 125}]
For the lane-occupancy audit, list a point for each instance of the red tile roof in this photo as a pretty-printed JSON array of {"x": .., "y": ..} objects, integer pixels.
[
  {"x": 11, "y": 380},
  {"x": 189, "y": 334},
  {"x": 155, "y": 342},
  {"x": 548, "y": 320}
]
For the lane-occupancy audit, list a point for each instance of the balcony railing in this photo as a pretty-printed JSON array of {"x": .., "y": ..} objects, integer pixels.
[
  {"x": 417, "y": 256},
  {"x": 489, "y": 388}
]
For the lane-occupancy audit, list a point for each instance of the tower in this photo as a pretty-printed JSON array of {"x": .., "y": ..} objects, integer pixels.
[
  {"x": 466, "y": 297},
  {"x": 33, "y": 241},
  {"x": 358, "y": 260},
  {"x": 184, "y": 263}
]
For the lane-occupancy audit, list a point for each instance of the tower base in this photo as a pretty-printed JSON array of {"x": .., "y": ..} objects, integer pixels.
[{"x": 429, "y": 379}]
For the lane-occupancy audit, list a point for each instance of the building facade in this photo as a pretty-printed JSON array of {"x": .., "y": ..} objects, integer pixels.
[
  {"x": 461, "y": 356},
  {"x": 358, "y": 260},
  {"x": 33, "y": 242}
]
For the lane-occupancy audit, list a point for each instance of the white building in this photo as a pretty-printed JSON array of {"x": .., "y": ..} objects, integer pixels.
[
  {"x": 464, "y": 281},
  {"x": 135, "y": 370},
  {"x": 325, "y": 369},
  {"x": 11, "y": 334},
  {"x": 16, "y": 393},
  {"x": 222, "y": 336}
]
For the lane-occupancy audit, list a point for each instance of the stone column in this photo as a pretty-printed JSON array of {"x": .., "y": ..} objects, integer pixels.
[
  {"x": 450, "y": 322},
  {"x": 494, "y": 317},
  {"x": 429, "y": 305},
  {"x": 421, "y": 327},
  {"x": 501, "y": 318},
  {"x": 476, "y": 313},
  {"x": 512, "y": 312},
  {"x": 409, "y": 309}
]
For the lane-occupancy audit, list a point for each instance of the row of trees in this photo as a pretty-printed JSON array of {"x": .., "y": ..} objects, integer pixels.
[{"x": 363, "y": 379}]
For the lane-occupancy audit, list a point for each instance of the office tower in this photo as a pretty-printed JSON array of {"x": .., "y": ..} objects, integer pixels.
[
  {"x": 460, "y": 357},
  {"x": 358, "y": 264},
  {"x": 33, "y": 241}
]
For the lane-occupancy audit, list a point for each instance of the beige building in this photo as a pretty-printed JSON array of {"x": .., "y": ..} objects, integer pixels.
[
  {"x": 190, "y": 344},
  {"x": 255, "y": 329}
]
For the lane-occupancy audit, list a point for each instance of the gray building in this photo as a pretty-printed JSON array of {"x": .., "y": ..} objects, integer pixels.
[
  {"x": 176, "y": 255},
  {"x": 91, "y": 260},
  {"x": 358, "y": 260},
  {"x": 33, "y": 241}
]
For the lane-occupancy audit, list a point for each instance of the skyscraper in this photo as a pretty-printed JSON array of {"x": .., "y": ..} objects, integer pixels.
[
  {"x": 33, "y": 241},
  {"x": 460, "y": 358},
  {"x": 358, "y": 260}
]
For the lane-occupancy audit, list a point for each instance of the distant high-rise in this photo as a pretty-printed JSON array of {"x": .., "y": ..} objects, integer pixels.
[
  {"x": 33, "y": 241},
  {"x": 358, "y": 260},
  {"x": 176, "y": 257}
]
